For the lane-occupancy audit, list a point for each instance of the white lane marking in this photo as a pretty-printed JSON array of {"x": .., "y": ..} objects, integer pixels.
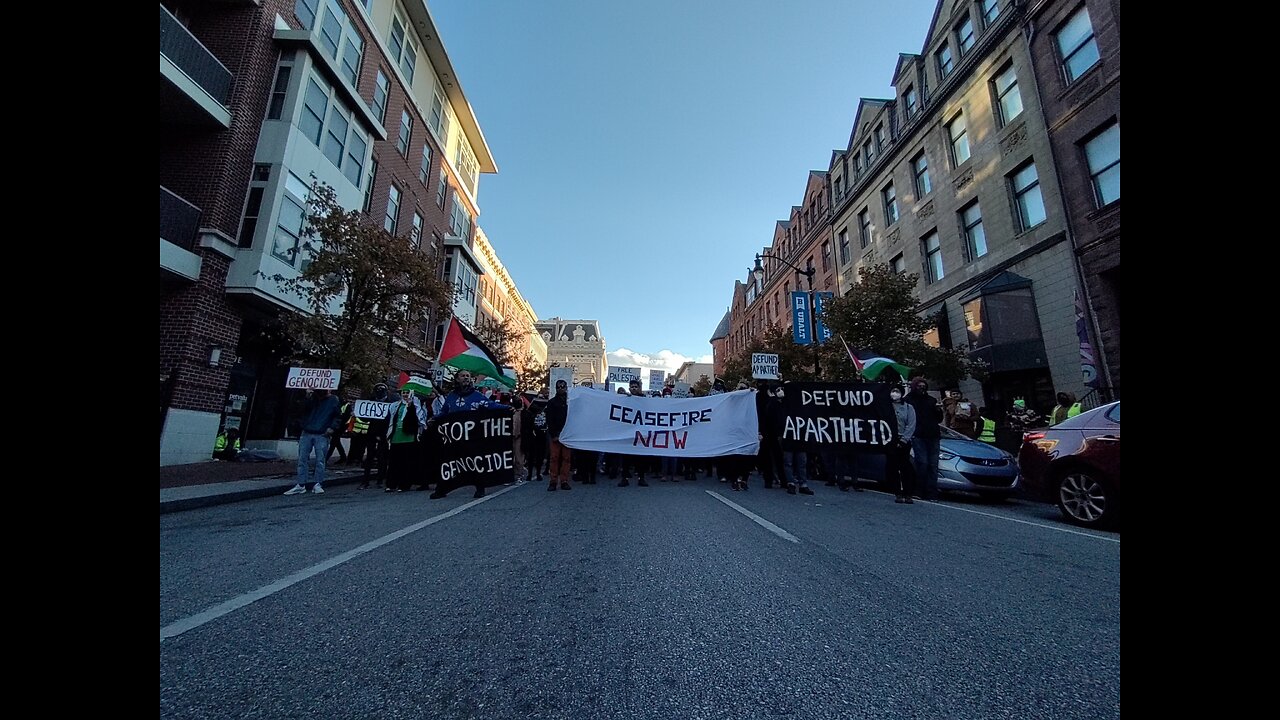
[
  {"x": 178, "y": 627},
  {"x": 1026, "y": 522},
  {"x": 755, "y": 518}
]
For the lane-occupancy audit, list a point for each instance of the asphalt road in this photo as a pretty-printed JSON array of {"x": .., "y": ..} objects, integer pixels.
[{"x": 659, "y": 602}]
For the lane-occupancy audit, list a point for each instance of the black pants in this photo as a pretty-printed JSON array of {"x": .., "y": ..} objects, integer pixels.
[
  {"x": 898, "y": 472},
  {"x": 375, "y": 455},
  {"x": 535, "y": 453},
  {"x": 769, "y": 461}
]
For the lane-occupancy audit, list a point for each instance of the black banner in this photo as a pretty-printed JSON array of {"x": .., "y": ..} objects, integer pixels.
[
  {"x": 473, "y": 447},
  {"x": 837, "y": 416}
]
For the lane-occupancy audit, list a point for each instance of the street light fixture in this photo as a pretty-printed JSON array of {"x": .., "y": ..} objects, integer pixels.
[{"x": 758, "y": 272}]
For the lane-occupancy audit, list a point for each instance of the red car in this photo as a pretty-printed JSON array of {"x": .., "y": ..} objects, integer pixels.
[{"x": 1077, "y": 464}]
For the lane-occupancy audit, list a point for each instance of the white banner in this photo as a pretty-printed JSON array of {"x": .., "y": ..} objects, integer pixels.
[
  {"x": 764, "y": 366},
  {"x": 690, "y": 427},
  {"x": 313, "y": 378},
  {"x": 371, "y": 409},
  {"x": 560, "y": 373}
]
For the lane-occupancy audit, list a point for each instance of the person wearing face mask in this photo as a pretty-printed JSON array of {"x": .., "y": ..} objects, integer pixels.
[
  {"x": 897, "y": 462},
  {"x": 925, "y": 444}
]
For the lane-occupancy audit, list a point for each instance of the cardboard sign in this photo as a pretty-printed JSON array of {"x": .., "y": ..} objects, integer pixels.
[
  {"x": 764, "y": 366},
  {"x": 313, "y": 379}
]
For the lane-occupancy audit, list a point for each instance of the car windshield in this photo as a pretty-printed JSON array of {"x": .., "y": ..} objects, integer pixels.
[
  {"x": 1114, "y": 414},
  {"x": 950, "y": 434}
]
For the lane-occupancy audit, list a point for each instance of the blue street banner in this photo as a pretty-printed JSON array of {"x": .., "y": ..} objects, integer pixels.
[
  {"x": 800, "y": 318},
  {"x": 822, "y": 332}
]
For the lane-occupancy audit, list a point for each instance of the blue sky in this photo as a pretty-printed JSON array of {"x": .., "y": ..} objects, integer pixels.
[{"x": 646, "y": 150}]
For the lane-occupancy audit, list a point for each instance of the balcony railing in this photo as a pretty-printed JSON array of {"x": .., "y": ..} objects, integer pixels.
[
  {"x": 184, "y": 50},
  {"x": 179, "y": 220}
]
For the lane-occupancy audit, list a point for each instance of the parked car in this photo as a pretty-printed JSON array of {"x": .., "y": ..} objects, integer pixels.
[
  {"x": 964, "y": 465},
  {"x": 1076, "y": 463}
]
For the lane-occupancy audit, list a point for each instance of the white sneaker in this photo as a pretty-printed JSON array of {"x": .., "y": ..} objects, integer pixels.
[
  {"x": 295, "y": 490},
  {"x": 317, "y": 489}
]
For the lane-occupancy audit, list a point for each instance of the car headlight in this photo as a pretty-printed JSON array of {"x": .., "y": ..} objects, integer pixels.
[{"x": 946, "y": 456}]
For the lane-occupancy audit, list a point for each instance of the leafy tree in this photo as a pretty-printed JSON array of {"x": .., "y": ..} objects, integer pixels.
[
  {"x": 701, "y": 387},
  {"x": 368, "y": 292},
  {"x": 879, "y": 314},
  {"x": 795, "y": 362}
]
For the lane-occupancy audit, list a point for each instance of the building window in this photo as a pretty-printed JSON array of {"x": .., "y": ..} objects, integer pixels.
[
  {"x": 442, "y": 189},
  {"x": 857, "y": 163},
  {"x": 357, "y": 146},
  {"x": 381, "y": 93},
  {"x": 335, "y": 139},
  {"x": 932, "y": 257},
  {"x": 838, "y": 186},
  {"x": 975, "y": 237},
  {"x": 826, "y": 256},
  {"x": 252, "y": 209},
  {"x": 415, "y": 232},
  {"x": 844, "y": 247},
  {"x": 911, "y": 100},
  {"x": 920, "y": 169},
  {"x": 990, "y": 11},
  {"x": 964, "y": 35},
  {"x": 945, "y": 63},
  {"x": 292, "y": 217},
  {"x": 406, "y": 133},
  {"x": 314, "y": 107},
  {"x": 306, "y": 12},
  {"x": 403, "y": 49},
  {"x": 460, "y": 220},
  {"x": 869, "y": 151},
  {"x": 1076, "y": 45},
  {"x": 393, "y": 210},
  {"x": 958, "y": 131},
  {"x": 1102, "y": 152},
  {"x": 898, "y": 264},
  {"x": 276, "y": 107},
  {"x": 1026, "y": 196},
  {"x": 368, "y": 191},
  {"x": 1008, "y": 99},
  {"x": 424, "y": 172},
  {"x": 890, "y": 204},
  {"x": 880, "y": 141},
  {"x": 352, "y": 51},
  {"x": 864, "y": 227},
  {"x": 465, "y": 162}
]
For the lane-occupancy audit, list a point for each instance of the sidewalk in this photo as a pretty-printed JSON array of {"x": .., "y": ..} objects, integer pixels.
[{"x": 186, "y": 487}]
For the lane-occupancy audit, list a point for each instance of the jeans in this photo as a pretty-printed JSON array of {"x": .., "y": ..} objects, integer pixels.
[
  {"x": 793, "y": 468},
  {"x": 319, "y": 442},
  {"x": 925, "y": 460}
]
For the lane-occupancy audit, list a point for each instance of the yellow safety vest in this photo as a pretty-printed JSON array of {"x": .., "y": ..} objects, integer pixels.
[
  {"x": 359, "y": 426},
  {"x": 988, "y": 434}
]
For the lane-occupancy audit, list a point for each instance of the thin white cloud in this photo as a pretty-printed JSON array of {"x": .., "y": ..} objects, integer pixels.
[{"x": 662, "y": 360}]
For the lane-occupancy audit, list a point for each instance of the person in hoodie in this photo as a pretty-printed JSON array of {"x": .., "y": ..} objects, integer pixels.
[
  {"x": 897, "y": 462},
  {"x": 925, "y": 444},
  {"x": 557, "y": 415},
  {"x": 321, "y": 419}
]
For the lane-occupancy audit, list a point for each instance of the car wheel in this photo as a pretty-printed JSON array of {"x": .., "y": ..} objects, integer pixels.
[{"x": 1085, "y": 499}]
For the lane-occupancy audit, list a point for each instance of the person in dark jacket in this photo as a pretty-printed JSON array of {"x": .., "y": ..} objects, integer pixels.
[
  {"x": 557, "y": 415},
  {"x": 769, "y": 457},
  {"x": 925, "y": 444},
  {"x": 533, "y": 428},
  {"x": 897, "y": 462},
  {"x": 321, "y": 418}
]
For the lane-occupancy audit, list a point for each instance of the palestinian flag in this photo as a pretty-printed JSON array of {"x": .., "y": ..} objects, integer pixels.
[
  {"x": 870, "y": 365},
  {"x": 416, "y": 383},
  {"x": 465, "y": 351}
]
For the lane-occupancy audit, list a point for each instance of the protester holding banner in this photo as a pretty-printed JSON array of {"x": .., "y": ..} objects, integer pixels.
[
  {"x": 898, "y": 470},
  {"x": 636, "y": 463},
  {"x": 557, "y": 414},
  {"x": 374, "y": 443},
  {"x": 534, "y": 427},
  {"x": 405, "y": 424},
  {"x": 768, "y": 418},
  {"x": 464, "y": 396}
]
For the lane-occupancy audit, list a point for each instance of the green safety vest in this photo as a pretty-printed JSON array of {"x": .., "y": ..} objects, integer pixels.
[
  {"x": 1074, "y": 410},
  {"x": 220, "y": 443},
  {"x": 988, "y": 434}
]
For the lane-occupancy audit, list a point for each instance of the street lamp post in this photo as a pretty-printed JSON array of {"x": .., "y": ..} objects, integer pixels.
[{"x": 758, "y": 272}]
